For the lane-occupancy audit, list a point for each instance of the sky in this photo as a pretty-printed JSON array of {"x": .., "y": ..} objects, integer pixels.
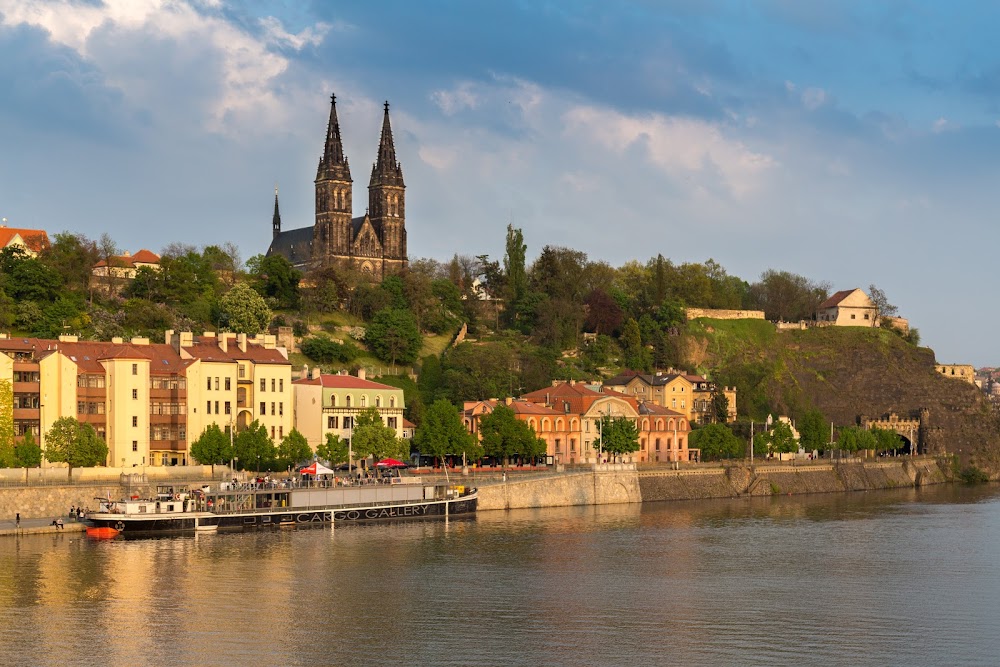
[{"x": 854, "y": 143}]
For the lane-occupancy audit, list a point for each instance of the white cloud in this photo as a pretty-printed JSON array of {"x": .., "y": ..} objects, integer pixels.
[
  {"x": 244, "y": 95},
  {"x": 813, "y": 98},
  {"x": 457, "y": 99},
  {"x": 942, "y": 124},
  {"x": 680, "y": 147}
]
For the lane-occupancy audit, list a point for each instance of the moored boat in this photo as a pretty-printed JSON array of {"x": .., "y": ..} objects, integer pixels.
[{"x": 245, "y": 507}]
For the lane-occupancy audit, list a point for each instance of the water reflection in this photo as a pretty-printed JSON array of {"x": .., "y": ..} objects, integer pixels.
[{"x": 903, "y": 577}]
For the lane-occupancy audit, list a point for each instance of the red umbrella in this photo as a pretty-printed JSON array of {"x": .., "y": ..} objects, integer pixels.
[{"x": 390, "y": 463}]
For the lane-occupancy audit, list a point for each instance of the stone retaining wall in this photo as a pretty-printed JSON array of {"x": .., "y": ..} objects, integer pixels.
[{"x": 585, "y": 488}]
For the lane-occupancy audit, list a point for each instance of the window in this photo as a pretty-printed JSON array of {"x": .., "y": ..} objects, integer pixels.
[
  {"x": 135, "y": 445},
  {"x": 272, "y": 408},
  {"x": 392, "y": 422},
  {"x": 348, "y": 400},
  {"x": 852, "y": 316},
  {"x": 348, "y": 422},
  {"x": 657, "y": 444},
  {"x": 243, "y": 371},
  {"x": 209, "y": 384},
  {"x": 263, "y": 408},
  {"x": 281, "y": 432},
  {"x": 216, "y": 384},
  {"x": 208, "y": 407},
  {"x": 228, "y": 386},
  {"x": 281, "y": 409},
  {"x": 333, "y": 401},
  {"x": 866, "y": 316},
  {"x": 272, "y": 433},
  {"x": 364, "y": 400},
  {"x": 135, "y": 421},
  {"x": 272, "y": 384},
  {"x": 281, "y": 384},
  {"x": 135, "y": 394},
  {"x": 229, "y": 408},
  {"x": 263, "y": 384},
  {"x": 378, "y": 401},
  {"x": 392, "y": 401},
  {"x": 216, "y": 407},
  {"x": 331, "y": 422},
  {"x": 135, "y": 369}
]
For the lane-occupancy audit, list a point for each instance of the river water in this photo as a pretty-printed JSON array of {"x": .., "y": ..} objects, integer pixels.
[{"x": 909, "y": 577}]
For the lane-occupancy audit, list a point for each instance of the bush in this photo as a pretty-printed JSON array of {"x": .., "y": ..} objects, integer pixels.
[
  {"x": 970, "y": 474},
  {"x": 324, "y": 350}
]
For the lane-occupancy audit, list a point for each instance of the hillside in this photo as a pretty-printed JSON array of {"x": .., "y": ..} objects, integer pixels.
[{"x": 843, "y": 372}]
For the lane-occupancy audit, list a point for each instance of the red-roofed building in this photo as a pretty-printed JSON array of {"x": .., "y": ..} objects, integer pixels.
[
  {"x": 567, "y": 416},
  {"x": 112, "y": 275},
  {"x": 848, "y": 308},
  {"x": 329, "y": 404},
  {"x": 32, "y": 241},
  {"x": 148, "y": 401}
]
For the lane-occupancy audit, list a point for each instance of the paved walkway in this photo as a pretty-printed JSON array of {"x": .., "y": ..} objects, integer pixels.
[{"x": 38, "y": 526}]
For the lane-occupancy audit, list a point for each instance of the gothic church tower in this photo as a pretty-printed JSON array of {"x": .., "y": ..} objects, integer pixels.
[
  {"x": 387, "y": 201},
  {"x": 332, "y": 231}
]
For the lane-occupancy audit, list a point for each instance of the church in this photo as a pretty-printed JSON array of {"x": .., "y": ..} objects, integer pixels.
[{"x": 373, "y": 244}]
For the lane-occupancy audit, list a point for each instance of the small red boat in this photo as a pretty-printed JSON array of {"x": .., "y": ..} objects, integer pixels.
[{"x": 102, "y": 532}]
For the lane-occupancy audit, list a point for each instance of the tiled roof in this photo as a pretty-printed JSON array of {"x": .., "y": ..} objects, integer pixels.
[
  {"x": 344, "y": 382},
  {"x": 836, "y": 298},
  {"x": 36, "y": 239},
  {"x": 129, "y": 261}
]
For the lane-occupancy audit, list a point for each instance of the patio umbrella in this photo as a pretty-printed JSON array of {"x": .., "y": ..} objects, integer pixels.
[{"x": 390, "y": 463}]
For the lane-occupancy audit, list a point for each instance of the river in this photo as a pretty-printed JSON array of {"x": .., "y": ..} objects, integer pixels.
[{"x": 906, "y": 577}]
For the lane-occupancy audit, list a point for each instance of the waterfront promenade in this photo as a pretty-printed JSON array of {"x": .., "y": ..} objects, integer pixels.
[{"x": 38, "y": 526}]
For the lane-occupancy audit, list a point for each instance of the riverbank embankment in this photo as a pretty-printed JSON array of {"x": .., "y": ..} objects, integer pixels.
[{"x": 658, "y": 483}]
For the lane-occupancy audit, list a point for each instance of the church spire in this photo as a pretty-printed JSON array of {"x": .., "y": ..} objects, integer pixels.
[
  {"x": 386, "y": 171},
  {"x": 333, "y": 164},
  {"x": 276, "y": 220}
]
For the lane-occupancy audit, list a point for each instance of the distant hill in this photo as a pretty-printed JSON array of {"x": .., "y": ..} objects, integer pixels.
[{"x": 843, "y": 372}]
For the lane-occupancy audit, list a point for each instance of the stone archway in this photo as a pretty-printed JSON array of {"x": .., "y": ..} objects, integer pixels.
[{"x": 908, "y": 429}]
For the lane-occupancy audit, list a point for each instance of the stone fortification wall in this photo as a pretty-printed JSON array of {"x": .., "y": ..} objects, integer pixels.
[
  {"x": 585, "y": 488},
  {"x": 717, "y": 314},
  {"x": 164, "y": 474}
]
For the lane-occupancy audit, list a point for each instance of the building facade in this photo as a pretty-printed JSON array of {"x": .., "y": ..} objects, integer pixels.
[
  {"x": 690, "y": 394},
  {"x": 149, "y": 401},
  {"x": 373, "y": 244},
  {"x": 848, "y": 308},
  {"x": 331, "y": 404},
  {"x": 567, "y": 416}
]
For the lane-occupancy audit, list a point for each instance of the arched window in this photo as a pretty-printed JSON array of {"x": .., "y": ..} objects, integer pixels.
[
  {"x": 364, "y": 400},
  {"x": 559, "y": 424},
  {"x": 545, "y": 424},
  {"x": 683, "y": 425},
  {"x": 531, "y": 423},
  {"x": 659, "y": 424},
  {"x": 645, "y": 424},
  {"x": 378, "y": 401},
  {"x": 392, "y": 401},
  {"x": 573, "y": 425},
  {"x": 670, "y": 425},
  {"x": 347, "y": 400},
  {"x": 333, "y": 400}
]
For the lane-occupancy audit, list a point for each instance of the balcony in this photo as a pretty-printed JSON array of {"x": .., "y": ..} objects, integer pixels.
[
  {"x": 168, "y": 419},
  {"x": 167, "y": 446}
]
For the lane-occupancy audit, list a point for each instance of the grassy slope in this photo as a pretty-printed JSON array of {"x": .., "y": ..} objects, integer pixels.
[{"x": 844, "y": 372}]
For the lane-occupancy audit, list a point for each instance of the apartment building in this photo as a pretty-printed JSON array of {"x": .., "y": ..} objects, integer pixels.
[
  {"x": 331, "y": 403},
  {"x": 149, "y": 401}
]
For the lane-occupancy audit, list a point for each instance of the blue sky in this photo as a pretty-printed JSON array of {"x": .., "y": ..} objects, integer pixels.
[{"x": 851, "y": 142}]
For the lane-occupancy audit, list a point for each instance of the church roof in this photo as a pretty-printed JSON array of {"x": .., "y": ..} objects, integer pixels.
[{"x": 295, "y": 245}]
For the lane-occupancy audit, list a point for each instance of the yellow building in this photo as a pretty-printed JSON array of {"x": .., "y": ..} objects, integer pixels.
[
  {"x": 149, "y": 401},
  {"x": 848, "y": 308},
  {"x": 331, "y": 403},
  {"x": 958, "y": 372}
]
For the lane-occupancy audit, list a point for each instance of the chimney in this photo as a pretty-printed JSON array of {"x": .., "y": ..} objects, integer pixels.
[
  {"x": 168, "y": 336},
  {"x": 508, "y": 400},
  {"x": 117, "y": 340},
  {"x": 139, "y": 340},
  {"x": 186, "y": 339},
  {"x": 241, "y": 341},
  {"x": 66, "y": 338},
  {"x": 305, "y": 371},
  {"x": 316, "y": 372},
  {"x": 224, "y": 343},
  {"x": 208, "y": 334},
  {"x": 361, "y": 373}
]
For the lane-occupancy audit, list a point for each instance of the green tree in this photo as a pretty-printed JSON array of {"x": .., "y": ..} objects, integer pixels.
[
  {"x": 371, "y": 437},
  {"x": 886, "y": 439},
  {"x": 780, "y": 439},
  {"x": 212, "y": 447},
  {"x": 515, "y": 273},
  {"x": 855, "y": 439},
  {"x": 392, "y": 336},
  {"x": 504, "y": 435},
  {"x": 442, "y": 433},
  {"x": 274, "y": 277},
  {"x": 333, "y": 449},
  {"x": 244, "y": 311},
  {"x": 75, "y": 444},
  {"x": 717, "y": 441},
  {"x": 27, "y": 453},
  {"x": 636, "y": 356},
  {"x": 813, "y": 433},
  {"x": 720, "y": 407},
  {"x": 293, "y": 450},
  {"x": 254, "y": 448},
  {"x": 617, "y": 436}
]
